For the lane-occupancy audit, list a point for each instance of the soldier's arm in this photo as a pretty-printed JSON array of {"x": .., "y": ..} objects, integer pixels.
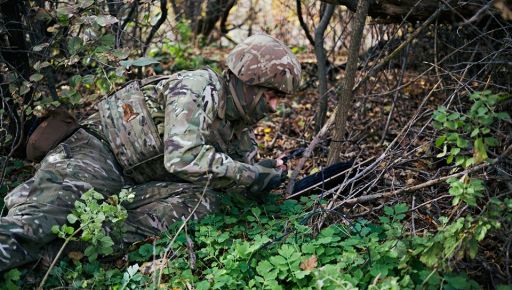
[
  {"x": 244, "y": 146},
  {"x": 190, "y": 109}
]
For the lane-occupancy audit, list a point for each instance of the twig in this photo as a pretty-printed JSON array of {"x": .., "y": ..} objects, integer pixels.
[
  {"x": 303, "y": 24},
  {"x": 395, "y": 96},
  {"x": 154, "y": 29},
  {"x": 371, "y": 197},
  {"x": 413, "y": 208},
  {"x": 168, "y": 248},
  {"x": 395, "y": 52},
  {"x": 307, "y": 153},
  {"x": 66, "y": 241},
  {"x": 347, "y": 94}
]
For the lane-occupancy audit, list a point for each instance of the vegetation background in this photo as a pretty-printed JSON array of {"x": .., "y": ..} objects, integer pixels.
[{"x": 416, "y": 93}]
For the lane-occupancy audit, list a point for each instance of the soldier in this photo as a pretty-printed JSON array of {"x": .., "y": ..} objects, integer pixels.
[{"x": 173, "y": 136}]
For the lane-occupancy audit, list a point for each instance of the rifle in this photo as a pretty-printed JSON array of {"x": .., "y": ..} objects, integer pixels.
[{"x": 323, "y": 180}]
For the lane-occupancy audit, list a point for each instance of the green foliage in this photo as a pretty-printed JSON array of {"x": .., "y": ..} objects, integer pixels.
[
  {"x": 11, "y": 280},
  {"x": 91, "y": 217},
  {"x": 459, "y": 131},
  {"x": 459, "y": 238},
  {"x": 466, "y": 189},
  {"x": 271, "y": 246},
  {"x": 180, "y": 55}
]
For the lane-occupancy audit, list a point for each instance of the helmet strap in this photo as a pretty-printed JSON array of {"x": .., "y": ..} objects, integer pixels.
[
  {"x": 237, "y": 87},
  {"x": 236, "y": 100}
]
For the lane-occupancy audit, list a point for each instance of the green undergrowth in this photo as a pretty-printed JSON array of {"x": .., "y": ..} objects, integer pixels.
[{"x": 274, "y": 246}]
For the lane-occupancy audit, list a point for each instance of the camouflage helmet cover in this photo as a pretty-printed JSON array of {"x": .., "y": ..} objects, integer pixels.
[{"x": 265, "y": 61}]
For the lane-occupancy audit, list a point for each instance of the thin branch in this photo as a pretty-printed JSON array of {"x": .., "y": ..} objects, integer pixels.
[
  {"x": 372, "y": 197},
  {"x": 154, "y": 29},
  {"x": 185, "y": 222},
  {"x": 303, "y": 23},
  {"x": 346, "y": 97},
  {"x": 129, "y": 17},
  {"x": 397, "y": 50},
  {"x": 375, "y": 196}
]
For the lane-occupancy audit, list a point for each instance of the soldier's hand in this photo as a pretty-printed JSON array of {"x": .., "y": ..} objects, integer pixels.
[{"x": 269, "y": 177}]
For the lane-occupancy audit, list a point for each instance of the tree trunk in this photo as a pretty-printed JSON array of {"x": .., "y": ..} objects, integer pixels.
[
  {"x": 321, "y": 61},
  {"x": 345, "y": 100}
]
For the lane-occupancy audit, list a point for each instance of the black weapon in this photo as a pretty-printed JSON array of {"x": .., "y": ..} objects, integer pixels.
[
  {"x": 293, "y": 154},
  {"x": 325, "y": 179}
]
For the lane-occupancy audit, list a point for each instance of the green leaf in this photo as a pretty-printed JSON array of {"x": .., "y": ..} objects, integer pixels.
[
  {"x": 442, "y": 154},
  {"x": 40, "y": 47},
  {"x": 24, "y": 88},
  {"x": 107, "y": 41},
  {"x": 72, "y": 218},
  {"x": 39, "y": 65},
  {"x": 55, "y": 229},
  {"x": 278, "y": 260},
  {"x": 74, "y": 45},
  {"x": 475, "y": 132},
  {"x": 203, "y": 285},
  {"x": 256, "y": 211},
  {"x": 36, "y": 77},
  {"x": 479, "y": 151},
  {"x": 88, "y": 79},
  {"x": 462, "y": 143},
  {"x": 401, "y": 208},
  {"x": 491, "y": 141},
  {"x": 503, "y": 116},
  {"x": 440, "y": 140},
  {"x": 143, "y": 61},
  {"x": 12, "y": 275},
  {"x": 68, "y": 230}
]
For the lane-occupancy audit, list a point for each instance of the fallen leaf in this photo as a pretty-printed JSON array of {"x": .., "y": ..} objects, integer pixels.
[
  {"x": 152, "y": 266},
  {"x": 309, "y": 264},
  {"x": 75, "y": 255}
]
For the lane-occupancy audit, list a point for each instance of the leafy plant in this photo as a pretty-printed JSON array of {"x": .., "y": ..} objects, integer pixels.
[
  {"x": 474, "y": 127},
  {"x": 91, "y": 216}
]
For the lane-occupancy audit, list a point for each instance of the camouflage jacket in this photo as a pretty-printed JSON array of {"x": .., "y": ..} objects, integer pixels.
[{"x": 188, "y": 109}]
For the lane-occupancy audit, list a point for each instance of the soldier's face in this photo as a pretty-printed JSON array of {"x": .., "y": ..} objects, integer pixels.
[{"x": 272, "y": 97}]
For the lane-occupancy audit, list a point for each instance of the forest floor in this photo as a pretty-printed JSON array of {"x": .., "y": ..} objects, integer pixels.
[{"x": 406, "y": 150}]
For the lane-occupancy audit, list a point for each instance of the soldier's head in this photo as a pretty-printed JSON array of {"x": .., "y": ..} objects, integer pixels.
[{"x": 261, "y": 69}]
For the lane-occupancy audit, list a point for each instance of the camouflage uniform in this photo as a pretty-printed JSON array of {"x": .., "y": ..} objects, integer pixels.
[{"x": 207, "y": 141}]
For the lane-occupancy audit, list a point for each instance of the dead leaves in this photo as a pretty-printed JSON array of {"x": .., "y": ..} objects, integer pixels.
[{"x": 309, "y": 264}]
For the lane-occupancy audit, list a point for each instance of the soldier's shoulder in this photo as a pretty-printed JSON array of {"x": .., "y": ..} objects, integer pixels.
[{"x": 204, "y": 75}]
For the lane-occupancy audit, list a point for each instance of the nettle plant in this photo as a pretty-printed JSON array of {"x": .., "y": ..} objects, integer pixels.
[{"x": 466, "y": 139}]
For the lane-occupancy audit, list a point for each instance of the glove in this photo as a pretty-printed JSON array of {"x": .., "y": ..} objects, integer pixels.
[{"x": 268, "y": 177}]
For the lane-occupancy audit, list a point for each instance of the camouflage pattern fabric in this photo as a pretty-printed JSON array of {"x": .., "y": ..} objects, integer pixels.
[
  {"x": 261, "y": 60},
  {"x": 159, "y": 204},
  {"x": 197, "y": 141},
  {"x": 67, "y": 171},
  {"x": 45, "y": 200}
]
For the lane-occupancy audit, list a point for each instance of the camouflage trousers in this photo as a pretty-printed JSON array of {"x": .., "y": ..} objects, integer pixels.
[{"x": 76, "y": 165}]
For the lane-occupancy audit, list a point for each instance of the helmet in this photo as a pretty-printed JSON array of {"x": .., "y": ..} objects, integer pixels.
[{"x": 262, "y": 60}]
